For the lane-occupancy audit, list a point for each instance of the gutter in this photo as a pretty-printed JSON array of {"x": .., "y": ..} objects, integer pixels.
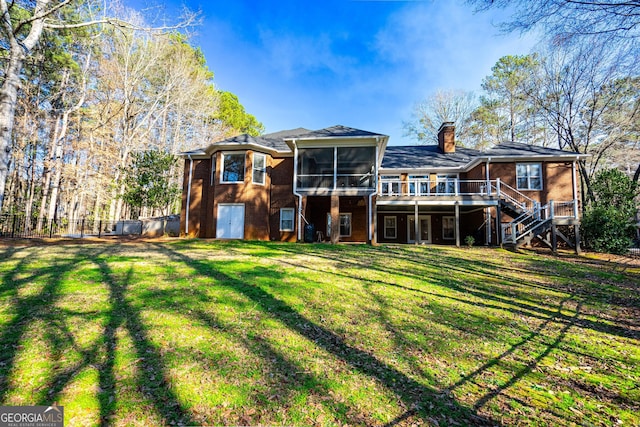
[{"x": 186, "y": 217}]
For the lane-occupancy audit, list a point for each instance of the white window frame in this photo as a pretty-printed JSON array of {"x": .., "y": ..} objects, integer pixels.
[
  {"x": 394, "y": 229},
  {"x": 392, "y": 184},
  {"x": 293, "y": 219},
  {"x": 422, "y": 180},
  {"x": 244, "y": 166},
  {"x": 263, "y": 169},
  {"x": 447, "y": 184},
  {"x": 340, "y": 224},
  {"x": 453, "y": 223},
  {"x": 528, "y": 176}
]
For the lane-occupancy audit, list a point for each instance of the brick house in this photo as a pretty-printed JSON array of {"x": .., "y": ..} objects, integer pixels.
[{"x": 345, "y": 184}]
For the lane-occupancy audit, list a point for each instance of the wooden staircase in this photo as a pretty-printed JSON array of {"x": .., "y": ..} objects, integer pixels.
[{"x": 532, "y": 220}]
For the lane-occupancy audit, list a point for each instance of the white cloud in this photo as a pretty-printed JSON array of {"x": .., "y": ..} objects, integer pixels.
[{"x": 293, "y": 55}]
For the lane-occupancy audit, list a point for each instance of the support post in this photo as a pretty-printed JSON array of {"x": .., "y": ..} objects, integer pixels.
[
  {"x": 457, "y": 209},
  {"x": 498, "y": 219},
  {"x": 577, "y": 232},
  {"x": 554, "y": 238},
  {"x": 416, "y": 224},
  {"x": 335, "y": 218},
  {"x": 374, "y": 240},
  {"x": 487, "y": 212}
]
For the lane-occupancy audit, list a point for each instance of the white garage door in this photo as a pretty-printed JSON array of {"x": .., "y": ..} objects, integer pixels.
[{"x": 230, "y": 223}]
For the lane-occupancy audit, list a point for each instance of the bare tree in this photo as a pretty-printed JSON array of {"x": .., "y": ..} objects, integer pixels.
[
  {"x": 575, "y": 94},
  {"x": 563, "y": 20},
  {"x": 22, "y": 24},
  {"x": 441, "y": 106}
]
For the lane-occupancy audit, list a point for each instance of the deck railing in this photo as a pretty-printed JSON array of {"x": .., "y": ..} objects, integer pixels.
[
  {"x": 437, "y": 187},
  {"x": 326, "y": 181}
]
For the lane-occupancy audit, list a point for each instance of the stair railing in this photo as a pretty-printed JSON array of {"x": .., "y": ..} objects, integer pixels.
[{"x": 515, "y": 197}]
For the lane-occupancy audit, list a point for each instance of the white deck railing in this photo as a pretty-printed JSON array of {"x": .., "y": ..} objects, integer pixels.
[{"x": 438, "y": 187}]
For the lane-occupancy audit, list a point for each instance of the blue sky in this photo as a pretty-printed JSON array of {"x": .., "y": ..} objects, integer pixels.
[{"x": 363, "y": 64}]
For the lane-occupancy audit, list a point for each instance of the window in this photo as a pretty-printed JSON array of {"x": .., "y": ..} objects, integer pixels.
[
  {"x": 232, "y": 167},
  {"x": 448, "y": 227},
  {"x": 286, "y": 219},
  {"x": 259, "y": 168},
  {"x": 446, "y": 184},
  {"x": 390, "y": 227},
  {"x": 345, "y": 225},
  {"x": 529, "y": 176},
  {"x": 421, "y": 182},
  {"x": 390, "y": 185}
]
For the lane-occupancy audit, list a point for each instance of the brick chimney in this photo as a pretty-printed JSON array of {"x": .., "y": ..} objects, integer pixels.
[{"x": 447, "y": 137}]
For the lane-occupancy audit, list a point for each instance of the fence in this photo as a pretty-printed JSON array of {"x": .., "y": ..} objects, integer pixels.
[{"x": 15, "y": 226}]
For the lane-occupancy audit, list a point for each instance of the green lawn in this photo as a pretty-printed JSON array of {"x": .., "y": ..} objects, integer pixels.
[{"x": 246, "y": 333}]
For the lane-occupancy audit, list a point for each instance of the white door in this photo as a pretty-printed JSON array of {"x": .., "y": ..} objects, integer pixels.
[
  {"x": 230, "y": 224},
  {"x": 424, "y": 229}
]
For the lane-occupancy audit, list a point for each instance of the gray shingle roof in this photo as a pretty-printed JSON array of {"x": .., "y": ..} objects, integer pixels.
[
  {"x": 337, "y": 131},
  {"x": 426, "y": 156},
  {"x": 516, "y": 149},
  {"x": 272, "y": 141}
]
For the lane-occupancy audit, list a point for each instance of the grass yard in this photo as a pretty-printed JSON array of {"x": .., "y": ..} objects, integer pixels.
[{"x": 247, "y": 333}]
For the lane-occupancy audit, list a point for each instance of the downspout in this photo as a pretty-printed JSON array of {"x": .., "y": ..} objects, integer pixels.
[
  {"x": 370, "y": 218},
  {"x": 186, "y": 216},
  {"x": 487, "y": 211}
]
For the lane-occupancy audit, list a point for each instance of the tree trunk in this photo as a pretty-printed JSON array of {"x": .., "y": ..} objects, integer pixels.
[
  {"x": 11, "y": 84},
  {"x": 46, "y": 174},
  {"x": 8, "y": 100}
]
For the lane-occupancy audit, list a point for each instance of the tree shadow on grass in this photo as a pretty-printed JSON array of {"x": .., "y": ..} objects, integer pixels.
[
  {"x": 39, "y": 306},
  {"x": 151, "y": 378},
  {"x": 424, "y": 400},
  {"x": 285, "y": 375}
]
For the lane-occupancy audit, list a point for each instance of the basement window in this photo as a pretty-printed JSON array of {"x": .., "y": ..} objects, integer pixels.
[{"x": 286, "y": 219}]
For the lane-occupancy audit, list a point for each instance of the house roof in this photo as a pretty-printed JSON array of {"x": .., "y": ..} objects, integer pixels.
[
  {"x": 431, "y": 157},
  {"x": 426, "y": 157},
  {"x": 272, "y": 142},
  {"x": 337, "y": 132},
  {"x": 517, "y": 149}
]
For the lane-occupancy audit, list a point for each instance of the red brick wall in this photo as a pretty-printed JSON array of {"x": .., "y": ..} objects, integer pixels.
[{"x": 557, "y": 181}]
